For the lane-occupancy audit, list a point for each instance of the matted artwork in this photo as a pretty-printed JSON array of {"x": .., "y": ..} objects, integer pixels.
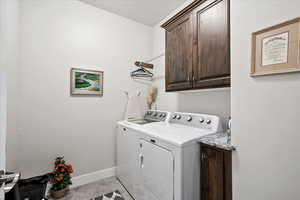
[
  {"x": 275, "y": 50},
  {"x": 86, "y": 82}
]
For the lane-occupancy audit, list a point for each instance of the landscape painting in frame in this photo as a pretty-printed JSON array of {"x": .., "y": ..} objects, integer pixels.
[{"x": 86, "y": 82}]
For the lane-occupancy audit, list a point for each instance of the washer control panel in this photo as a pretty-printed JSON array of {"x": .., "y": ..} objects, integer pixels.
[{"x": 155, "y": 115}]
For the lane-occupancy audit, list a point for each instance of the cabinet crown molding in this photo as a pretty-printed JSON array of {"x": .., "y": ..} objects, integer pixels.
[{"x": 184, "y": 11}]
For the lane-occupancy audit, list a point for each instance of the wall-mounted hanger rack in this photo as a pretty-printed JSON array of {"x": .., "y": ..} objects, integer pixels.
[
  {"x": 142, "y": 72},
  {"x": 142, "y": 64},
  {"x": 147, "y": 63}
]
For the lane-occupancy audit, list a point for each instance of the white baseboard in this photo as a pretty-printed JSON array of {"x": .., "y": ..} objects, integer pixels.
[{"x": 93, "y": 177}]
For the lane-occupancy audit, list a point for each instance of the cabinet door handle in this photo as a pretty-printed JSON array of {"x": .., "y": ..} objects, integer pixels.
[{"x": 203, "y": 157}]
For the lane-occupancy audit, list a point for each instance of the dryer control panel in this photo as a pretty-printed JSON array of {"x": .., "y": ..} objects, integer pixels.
[{"x": 202, "y": 121}]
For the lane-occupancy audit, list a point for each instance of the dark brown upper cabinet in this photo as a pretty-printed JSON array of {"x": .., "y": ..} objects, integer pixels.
[
  {"x": 179, "y": 39},
  {"x": 198, "y": 46}
]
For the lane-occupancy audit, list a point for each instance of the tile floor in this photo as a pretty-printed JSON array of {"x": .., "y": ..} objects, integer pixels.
[{"x": 96, "y": 189}]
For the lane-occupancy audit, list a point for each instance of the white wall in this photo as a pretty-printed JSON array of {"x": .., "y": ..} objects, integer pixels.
[
  {"x": 3, "y": 124},
  {"x": 55, "y": 36},
  {"x": 9, "y": 14},
  {"x": 265, "y": 110},
  {"x": 3, "y": 120},
  {"x": 59, "y": 34},
  {"x": 208, "y": 101}
]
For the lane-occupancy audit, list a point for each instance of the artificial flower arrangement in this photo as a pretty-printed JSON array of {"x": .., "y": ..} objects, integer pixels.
[{"x": 61, "y": 178}]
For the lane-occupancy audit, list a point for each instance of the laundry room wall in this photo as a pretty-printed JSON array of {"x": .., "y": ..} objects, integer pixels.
[
  {"x": 265, "y": 110},
  {"x": 216, "y": 102},
  {"x": 55, "y": 36},
  {"x": 9, "y": 21}
]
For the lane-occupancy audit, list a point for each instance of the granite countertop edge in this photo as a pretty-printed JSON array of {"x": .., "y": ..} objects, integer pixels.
[{"x": 210, "y": 140}]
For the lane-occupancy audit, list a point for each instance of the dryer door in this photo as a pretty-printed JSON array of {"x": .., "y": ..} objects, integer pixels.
[{"x": 157, "y": 167}]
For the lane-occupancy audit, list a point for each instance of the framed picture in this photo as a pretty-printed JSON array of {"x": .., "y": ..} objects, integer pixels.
[
  {"x": 275, "y": 50},
  {"x": 86, "y": 82}
]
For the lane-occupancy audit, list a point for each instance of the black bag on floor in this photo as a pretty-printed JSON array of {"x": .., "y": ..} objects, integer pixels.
[{"x": 30, "y": 189}]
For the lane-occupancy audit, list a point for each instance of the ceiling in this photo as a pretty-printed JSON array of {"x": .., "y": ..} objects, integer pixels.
[{"x": 148, "y": 12}]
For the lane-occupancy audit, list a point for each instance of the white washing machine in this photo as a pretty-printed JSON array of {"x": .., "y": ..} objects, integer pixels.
[{"x": 160, "y": 159}]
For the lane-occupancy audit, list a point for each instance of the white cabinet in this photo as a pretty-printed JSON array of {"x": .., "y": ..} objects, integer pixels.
[{"x": 157, "y": 169}]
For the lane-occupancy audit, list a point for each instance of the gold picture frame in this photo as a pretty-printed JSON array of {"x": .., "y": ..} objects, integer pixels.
[
  {"x": 86, "y": 82},
  {"x": 275, "y": 50}
]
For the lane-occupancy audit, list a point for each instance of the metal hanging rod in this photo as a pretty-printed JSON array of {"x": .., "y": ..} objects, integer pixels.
[
  {"x": 147, "y": 63},
  {"x": 142, "y": 64},
  {"x": 156, "y": 57}
]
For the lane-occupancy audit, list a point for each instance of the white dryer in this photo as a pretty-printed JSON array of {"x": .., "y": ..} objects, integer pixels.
[{"x": 160, "y": 160}]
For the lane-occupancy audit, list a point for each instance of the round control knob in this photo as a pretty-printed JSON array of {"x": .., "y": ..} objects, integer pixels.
[
  {"x": 208, "y": 121},
  {"x": 164, "y": 115},
  {"x": 155, "y": 114},
  {"x": 178, "y": 117},
  {"x": 174, "y": 116},
  {"x": 201, "y": 120},
  {"x": 189, "y": 118},
  {"x": 161, "y": 115}
]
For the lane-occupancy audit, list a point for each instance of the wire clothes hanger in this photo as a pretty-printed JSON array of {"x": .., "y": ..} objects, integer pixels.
[{"x": 141, "y": 72}]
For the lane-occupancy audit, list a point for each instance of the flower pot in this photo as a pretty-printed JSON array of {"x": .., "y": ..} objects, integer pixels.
[{"x": 59, "y": 193}]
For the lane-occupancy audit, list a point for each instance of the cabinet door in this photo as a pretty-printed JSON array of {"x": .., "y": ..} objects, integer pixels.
[
  {"x": 211, "y": 174},
  {"x": 211, "y": 44},
  {"x": 179, "y": 54}
]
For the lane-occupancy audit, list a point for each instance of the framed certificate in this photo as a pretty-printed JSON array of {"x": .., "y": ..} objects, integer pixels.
[{"x": 275, "y": 50}]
